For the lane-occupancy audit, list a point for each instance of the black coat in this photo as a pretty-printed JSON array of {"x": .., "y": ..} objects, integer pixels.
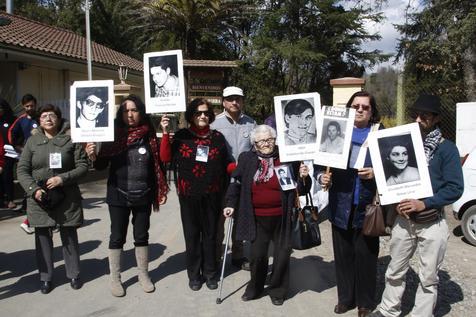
[{"x": 239, "y": 197}]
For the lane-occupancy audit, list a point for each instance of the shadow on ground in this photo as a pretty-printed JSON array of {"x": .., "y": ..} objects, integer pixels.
[
  {"x": 22, "y": 265},
  {"x": 449, "y": 292}
]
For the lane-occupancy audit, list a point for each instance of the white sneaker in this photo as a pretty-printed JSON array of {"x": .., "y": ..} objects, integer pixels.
[{"x": 26, "y": 228}]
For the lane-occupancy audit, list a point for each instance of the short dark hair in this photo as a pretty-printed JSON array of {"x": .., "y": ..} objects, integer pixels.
[
  {"x": 84, "y": 92},
  {"x": 375, "y": 117},
  {"x": 27, "y": 98},
  {"x": 297, "y": 106},
  {"x": 335, "y": 124},
  {"x": 50, "y": 108},
  {"x": 281, "y": 170},
  {"x": 193, "y": 106},
  {"x": 144, "y": 117},
  {"x": 164, "y": 62}
]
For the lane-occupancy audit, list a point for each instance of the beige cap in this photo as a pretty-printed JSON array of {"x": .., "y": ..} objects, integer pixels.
[{"x": 233, "y": 91}]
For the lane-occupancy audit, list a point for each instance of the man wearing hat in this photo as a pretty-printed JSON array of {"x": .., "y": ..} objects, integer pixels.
[
  {"x": 236, "y": 127},
  {"x": 421, "y": 223}
]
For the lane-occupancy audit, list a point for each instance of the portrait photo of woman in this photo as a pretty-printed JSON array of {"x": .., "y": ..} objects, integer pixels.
[{"x": 398, "y": 158}]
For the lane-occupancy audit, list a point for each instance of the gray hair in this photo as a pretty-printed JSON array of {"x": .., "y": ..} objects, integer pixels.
[{"x": 262, "y": 128}]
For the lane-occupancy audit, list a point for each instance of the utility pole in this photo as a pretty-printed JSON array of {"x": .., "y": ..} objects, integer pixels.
[
  {"x": 400, "y": 100},
  {"x": 86, "y": 7}
]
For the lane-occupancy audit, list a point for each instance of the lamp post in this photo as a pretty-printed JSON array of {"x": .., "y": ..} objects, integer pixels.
[
  {"x": 86, "y": 6},
  {"x": 122, "y": 73}
]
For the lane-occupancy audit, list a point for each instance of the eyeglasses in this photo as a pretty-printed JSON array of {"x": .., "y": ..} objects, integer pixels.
[
  {"x": 51, "y": 116},
  {"x": 422, "y": 115},
  {"x": 199, "y": 113},
  {"x": 93, "y": 104},
  {"x": 364, "y": 107},
  {"x": 266, "y": 141}
]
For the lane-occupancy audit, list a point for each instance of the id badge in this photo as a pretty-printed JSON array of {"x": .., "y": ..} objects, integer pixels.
[
  {"x": 202, "y": 153},
  {"x": 55, "y": 160}
]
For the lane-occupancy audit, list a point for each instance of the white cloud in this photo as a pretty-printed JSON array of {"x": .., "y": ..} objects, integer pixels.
[{"x": 394, "y": 12}]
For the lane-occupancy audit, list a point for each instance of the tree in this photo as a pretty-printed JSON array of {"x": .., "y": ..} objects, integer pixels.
[
  {"x": 201, "y": 28},
  {"x": 112, "y": 21},
  {"x": 438, "y": 45},
  {"x": 299, "y": 45}
]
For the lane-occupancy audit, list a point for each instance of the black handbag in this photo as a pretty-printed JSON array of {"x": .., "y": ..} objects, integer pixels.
[
  {"x": 305, "y": 231},
  {"x": 50, "y": 197}
]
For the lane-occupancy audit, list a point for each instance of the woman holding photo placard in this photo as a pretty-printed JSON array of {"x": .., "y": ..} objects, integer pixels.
[
  {"x": 350, "y": 191},
  {"x": 200, "y": 157},
  {"x": 136, "y": 185}
]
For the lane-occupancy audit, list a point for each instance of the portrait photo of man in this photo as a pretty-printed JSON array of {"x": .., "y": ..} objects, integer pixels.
[
  {"x": 333, "y": 141},
  {"x": 92, "y": 107},
  {"x": 298, "y": 119},
  {"x": 284, "y": 179},
  {"x": 164, "y": 76}
]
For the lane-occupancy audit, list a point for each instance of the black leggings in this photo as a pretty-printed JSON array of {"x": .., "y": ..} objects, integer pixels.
[{"x": 120, "y": 221}]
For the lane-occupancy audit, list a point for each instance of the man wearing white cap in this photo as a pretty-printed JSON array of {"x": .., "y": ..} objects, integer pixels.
[{"x": 236, "y": 127}]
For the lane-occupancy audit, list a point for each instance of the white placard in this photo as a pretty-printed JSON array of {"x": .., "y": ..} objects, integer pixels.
[
  {"x": 296, "y": 120},
  {"x": 465, "y": 127},
  {"x": 399, "y": 162},
  {"x": 91, "y": 111},
  {"x": 334, "y": 133},
  {"x": 164, "y": 87}
]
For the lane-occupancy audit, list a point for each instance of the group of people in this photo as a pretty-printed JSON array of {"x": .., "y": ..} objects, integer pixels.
[{"x": 228, "y": 166}]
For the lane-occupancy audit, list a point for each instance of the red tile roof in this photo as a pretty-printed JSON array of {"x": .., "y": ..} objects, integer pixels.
[
  {"x": 42, "y": 37},
  {"x": 35, "y": 35}
]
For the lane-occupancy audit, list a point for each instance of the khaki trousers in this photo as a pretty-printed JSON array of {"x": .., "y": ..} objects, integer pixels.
[{"x": 430, "y": 240}]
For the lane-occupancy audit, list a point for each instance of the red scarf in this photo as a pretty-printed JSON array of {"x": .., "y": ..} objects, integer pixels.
[{"x": 126, "y": 137}]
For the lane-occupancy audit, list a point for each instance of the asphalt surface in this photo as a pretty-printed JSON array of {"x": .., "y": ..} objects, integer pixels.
[{"x": 312, "y": 291}]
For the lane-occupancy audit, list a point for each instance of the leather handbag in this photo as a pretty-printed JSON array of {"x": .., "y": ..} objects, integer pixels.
[
  {"x": 305, "y": 228},
  {"x": 374, "y": 221}
]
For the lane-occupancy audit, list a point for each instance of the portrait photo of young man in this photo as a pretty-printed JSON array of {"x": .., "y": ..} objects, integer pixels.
[
  {"x": 298, "y": 119},
  {"x": 164, "y": 76},
  {"x": 92, "y": 107},
  {"x": 332, "y": 135}
]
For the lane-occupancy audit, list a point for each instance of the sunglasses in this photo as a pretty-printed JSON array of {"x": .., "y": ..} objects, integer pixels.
[
  {"x": 422, "y": 115},
  {"x": 199, "y": 113},
  {"x": 364, "y": 107}
]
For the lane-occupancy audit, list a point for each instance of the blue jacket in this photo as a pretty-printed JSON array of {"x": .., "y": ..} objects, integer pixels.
[
  {"x": 446, "y": 176},
  {"x": 341, "y": 197}
]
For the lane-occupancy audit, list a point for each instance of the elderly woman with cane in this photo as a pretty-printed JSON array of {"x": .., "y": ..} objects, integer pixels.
[{"x": 264, "y": 212}]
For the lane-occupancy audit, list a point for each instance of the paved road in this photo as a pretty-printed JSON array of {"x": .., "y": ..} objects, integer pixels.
[{"x": 312, "y": 292}]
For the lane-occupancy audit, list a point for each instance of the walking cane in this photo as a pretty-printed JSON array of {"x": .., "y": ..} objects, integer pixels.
[{"x": 227, "y": 240}]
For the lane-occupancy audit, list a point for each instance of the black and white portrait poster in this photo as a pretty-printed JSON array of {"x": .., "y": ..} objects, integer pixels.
[
  {"x": 334, "y": 134},
  {"x": 285, "y": 177},
  {"x": 164, "y": 86},
  {"x": 91, "y": 111},
  {"x": 399, "y": 162},
  {"x": 296, "y": 120}
]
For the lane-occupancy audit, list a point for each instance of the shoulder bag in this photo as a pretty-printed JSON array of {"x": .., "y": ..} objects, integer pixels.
[
  {"x": 305, "y": 229},
  {"x": 374, "y": 221}
]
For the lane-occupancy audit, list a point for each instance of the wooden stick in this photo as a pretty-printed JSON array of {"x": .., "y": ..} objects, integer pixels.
[{"x": 328, "y": 170}]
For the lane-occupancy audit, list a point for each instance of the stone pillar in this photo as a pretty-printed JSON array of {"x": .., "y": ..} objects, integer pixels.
[{"x": 344, "y": 88}]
